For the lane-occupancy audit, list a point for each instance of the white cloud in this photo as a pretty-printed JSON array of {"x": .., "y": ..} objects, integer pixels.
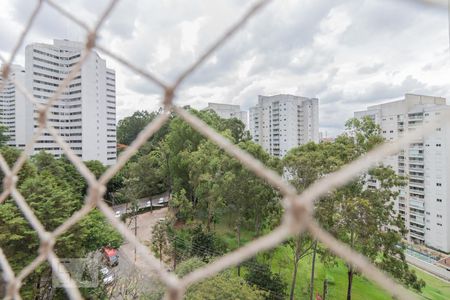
[{"x": 349, "y": 54}]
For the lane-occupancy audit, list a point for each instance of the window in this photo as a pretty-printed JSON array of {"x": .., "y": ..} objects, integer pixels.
[
  {"x": 439, "y": 200},
  {"x": 438, "y": 184}
]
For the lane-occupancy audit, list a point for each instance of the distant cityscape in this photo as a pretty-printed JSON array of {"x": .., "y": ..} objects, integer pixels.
[
  {"x": 85, "y": 117},
  {"x": 282, "y": 122}
]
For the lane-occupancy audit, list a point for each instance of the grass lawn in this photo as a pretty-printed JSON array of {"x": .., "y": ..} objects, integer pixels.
[
  {"x": 336, "y": 275},
  {"x": 436, "y": 289},
  {"x": 281, "y": 263}
]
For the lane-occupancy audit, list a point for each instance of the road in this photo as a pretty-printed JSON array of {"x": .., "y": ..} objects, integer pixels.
[
  {"x": 155, "y": 201},
  {"x": 134, "y": 276}
]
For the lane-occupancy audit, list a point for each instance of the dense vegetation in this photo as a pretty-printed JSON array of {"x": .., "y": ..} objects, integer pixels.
[
  {"x": 211, "y": 190},
  {"x": 54, "y": 190},
  {"x": 216, "y": 206}
]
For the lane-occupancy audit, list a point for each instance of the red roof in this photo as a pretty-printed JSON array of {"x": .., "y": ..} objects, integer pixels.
[{"x": 110, "y": 252}]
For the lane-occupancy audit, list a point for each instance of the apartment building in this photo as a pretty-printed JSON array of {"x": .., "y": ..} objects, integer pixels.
[
  {"x": 424, "y": 203},
  {"x": 15, "y": 112},
  {"x": 85, "y": 113},
  {"x": 228, "y": 111},
  {"x": 281, "y": 122}
]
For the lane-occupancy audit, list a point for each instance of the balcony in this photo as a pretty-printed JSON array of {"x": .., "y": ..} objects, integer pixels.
[
  {"x": 417, "y": 218},
  {"x": 416, "y": 160},
  {"x": 417, "y": 184},
  {"x": 416, "y": 227},
  {"x": 416, "y": 175},
  {"x": 416, "y": 167},
  {"x": 416, "y": 190},
  {"x": 416, "y": 203},
  {"x": 417, "y": 235}
]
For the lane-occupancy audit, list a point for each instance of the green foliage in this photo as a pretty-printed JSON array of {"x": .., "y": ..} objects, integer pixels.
[
  {"x": 94, "y": 232},
  {"x": 204, "y": 243},
  {"x": 129, "y": 127},
  {"x": 224, "y": 286},
  {"x": 3, "y": 136},
  {"x": 355, "y": 213},
  {"x": 96, "y": 167},
  {"x": 261, "y": 276},
  {"x": 178, "y": 244},
  {"x": 160, "y": 239},
  {"x": 181, "y": 206},
  {"x": 53, "y": 190},
  {"x": 365, "y": 133},
  {"x": 189, "y": 265},
  {"x": 150, "y": 174},
  {"x": 11, "y": 155}
]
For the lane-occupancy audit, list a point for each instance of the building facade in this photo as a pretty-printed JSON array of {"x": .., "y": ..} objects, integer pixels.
[
  {"x": 15, "y": 110},
  {"x": 228, "y": 111},
  {"x": 85, "y": 113},
  {"x": 424, "y": 203},
  {"x": 281, "y": 122}
]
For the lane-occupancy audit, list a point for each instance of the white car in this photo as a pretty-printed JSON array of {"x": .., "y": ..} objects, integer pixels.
[
  {"x": 107, "y": 275},
  {"x": 161, "y": 200},
  {"x": 149, "y": 203},
  {"x": 118, "y": 214}
]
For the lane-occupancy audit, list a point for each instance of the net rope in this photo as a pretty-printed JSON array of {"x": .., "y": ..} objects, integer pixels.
[{"x": 298, "y": 214}]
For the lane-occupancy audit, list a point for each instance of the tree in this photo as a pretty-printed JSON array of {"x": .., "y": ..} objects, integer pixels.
[
  {"x": 261, "y": 276},
  {"x": 206, "y": 170},
  {"x": 224, "y": 286},
  {"x": 11, "y": 155},
  {"x": 189, "y": 265},
  {"x": 62, "y": 170},
  {"x": 300, "y": 246},
  {"x": 304, "y": 165},
  {"x": 128, "y": 128},
  {"x": 159, "y": 239},
  {"x": 3, "y": 136},
  {"x": 181, "y": 206},
  {"x": 95, "y": 232},
  {"x": 96, "y": 167},
  {"x": 52, "y": 201},
  {"x": 178, "y": 245},
  {"x": 203, "y": 243},
  {"x": 364, "y": 216},
  {"x": 150, "y": 172}
]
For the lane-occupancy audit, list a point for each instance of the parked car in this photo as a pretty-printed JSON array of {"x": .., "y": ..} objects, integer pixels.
[
  {"x": 111, "y": 256},
  {"x": 118, "y": 214},
  {"x": 149, "y": 203},
  {"x": 107, "y": 275},
  {"x": 161, "y": 200}
]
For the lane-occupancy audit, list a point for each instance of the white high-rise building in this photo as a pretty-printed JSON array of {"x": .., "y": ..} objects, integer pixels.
[
  {"x": 424, "y": 203},
  {"x": 281, "y": 122},
  {"x": 15, "y": 112},
  {"x": 228, "y": 111},
  {"x": 85, "y": 114}
]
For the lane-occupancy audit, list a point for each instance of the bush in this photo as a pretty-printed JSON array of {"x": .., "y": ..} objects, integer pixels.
[{"x": 261, "y": 276}]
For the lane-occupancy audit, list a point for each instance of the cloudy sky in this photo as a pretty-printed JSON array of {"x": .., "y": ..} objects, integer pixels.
[{"x": 349, "y": 54}]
